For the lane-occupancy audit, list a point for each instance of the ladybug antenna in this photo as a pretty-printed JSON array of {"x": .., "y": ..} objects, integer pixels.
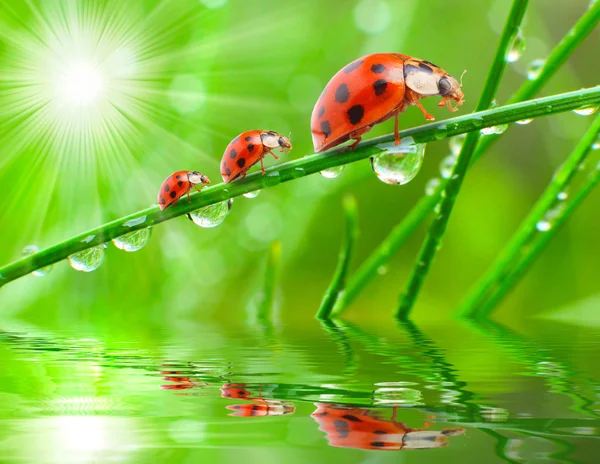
[{"x": 461, "y": 77}]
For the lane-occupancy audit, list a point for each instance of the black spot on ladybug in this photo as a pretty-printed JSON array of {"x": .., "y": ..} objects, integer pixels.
[
  {"x": 167, "y": 188},
  {"x": 431, "y": 64},
  {"x": 321, "y": 112},
  {"x": 324, "y": 413},
  {"x": 378, "y": 68},
  {"x": 379, "y": 86},
  {"x": 325, "y": 128},
  {"x": 352, "y": 66},
  {"x": 232, "y": 153},
  {"x": 356, "y": 113},
  {"x": 227, "y": 171},
  {"x": 342, "y": 94},
  {"x": 379, "y": 432},
  {"x": 223, "y": 164},
  {"x": 162, "y": 200},
  {"x": 173, "y": 194},
  {"x": 180, "y": 183},
  {"x": 250, "y": 147},
  {"x": 426, "y": 69},
  {"x": 351, "y": 418},
  {"x": 248, "y": 138},
  {"x": 241, "y": 162},
  {"x": 342, "y": 428},
  {"x": 255, "y": 407},
  {"x": 377, "y": 444},
  {"x": 177, "y": 177},
  {"x": 237, "y": 406}
]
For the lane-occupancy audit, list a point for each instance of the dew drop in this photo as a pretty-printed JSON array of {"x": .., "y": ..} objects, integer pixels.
[
  {"x": 517, "y": 47},
  {"x": 535, "y": 68},
  {"x": 398, "y": 165},
  {"x": 499, "y": 129},
  {"x": 543, "y": 226},
  {"x": 585, "y": 111},
  {"x": 456, "y": 143},
  {"x": 133, "y": 241},
  {"x": 438, "y": 208},
  {"x": 135, "y": 222},
  {"x": 252, "y": 194},
  {"x": 431, "y": 186},
  {"x": 596, "y": 145},
  {"x": 447, "y": 165},
  {"x": 562, "y": 196},
  {"x": 477, "y": 122},
  {"x": 31, "y": 250},
  {"x": 87, "y": 260},
  {"x": 441, "y": 133},
  {"x": 333, "y": 172},
  {"x": 523, "y": 122},
  {"x": 211, "y": 215},
  {"x": 382, "y": 270}
]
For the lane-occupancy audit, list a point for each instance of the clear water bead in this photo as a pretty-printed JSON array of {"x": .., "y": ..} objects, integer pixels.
[
  {"x": 431, "y": 186},
  {"x": 455, "y": 143},
  {"x": 517, "y": 47},
  {"x": 562, "y": 196},
  {"x": 332, "y": 173},
  {"x": 31, "y": 250},
  {"x": 585, "y": 111},
  {"x": 523, "y": 122},
  {"x": 447, "y": 165},
  {"x": 543, "y": 225},
  {"x": 398, "y": 165},
  {"x": 211, "y": 215},
  {"x": 499, "y": 129},
  {"x": 252, "y": 194},
  {"x": 88, "y": 260},
  {"x": 535, "y": 68},
  {"x": 133, "y": 241}
]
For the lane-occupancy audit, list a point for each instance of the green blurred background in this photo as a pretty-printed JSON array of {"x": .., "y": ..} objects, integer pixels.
[{"x": 181, "y": 79}]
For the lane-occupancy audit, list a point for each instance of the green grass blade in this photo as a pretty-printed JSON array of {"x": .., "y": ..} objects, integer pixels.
[
  {"x": 400, "y": 233},
  {"x": 452, "y": 188},
  {"x": 338, "y": 283},
  {"x": 295, "y": 169},
  {"x": 519, "y": 253},
  {"x": 265, "y": 305}
]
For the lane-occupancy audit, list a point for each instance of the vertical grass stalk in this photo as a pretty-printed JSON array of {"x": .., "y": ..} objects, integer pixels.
[
  {"x": 265, "y": 306},
  {"x": 338, "y": 283},
  {"x": 452, "y": 188},
  {"x": 400, "y": 233}
]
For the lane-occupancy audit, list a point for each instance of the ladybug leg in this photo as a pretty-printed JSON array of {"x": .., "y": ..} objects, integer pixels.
[
  {"x": 357, "y": 137},
  {"x": 274, "y": 155},
  {"x": 262, "y": 166},
  {"x": 396, "y": 135},
  {"x": 196, "y": 187},
  {"x": 428, "y": 116}
]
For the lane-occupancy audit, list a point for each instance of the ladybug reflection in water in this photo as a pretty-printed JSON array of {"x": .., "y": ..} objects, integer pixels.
[
  {"x": 259, "y": 407},
  {"x": 178, "y": 379},
  {"x": 373, "y": 89},
  {"x": 350, "y": 427}
]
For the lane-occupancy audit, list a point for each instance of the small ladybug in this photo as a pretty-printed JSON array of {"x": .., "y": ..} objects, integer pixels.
[
  {"x": 178, "y": 184},
  {"x": 375, "y": 88},
  {"x": 259, "y": 407},
  {"x": 249, "y": 148},
  {"x": 352, "y": 427}
]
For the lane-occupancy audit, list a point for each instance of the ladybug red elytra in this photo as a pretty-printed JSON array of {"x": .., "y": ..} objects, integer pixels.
[
  {"x": 249, "y": 148},
  {"x": 259, "y": 406},
  {"x": 178, "y": 184},
  {"x": 375, "y": 88}
]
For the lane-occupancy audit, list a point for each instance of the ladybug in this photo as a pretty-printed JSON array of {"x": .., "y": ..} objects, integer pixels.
[
  {"x": 249, "y": 148},
  {"x": 351, "y": 427},
  {"x": 259, "y": 407},
  {"x": 178, "y": 184},
  {"x": 375, "y": 88}
]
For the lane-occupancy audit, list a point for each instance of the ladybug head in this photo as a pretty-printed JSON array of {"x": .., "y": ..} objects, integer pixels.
[
  {"x": 271, "y": 139},
  {"x": 194, "y": 177},
  {"x": 284, "y": 143},
  {"x": 450, "y": 89}
]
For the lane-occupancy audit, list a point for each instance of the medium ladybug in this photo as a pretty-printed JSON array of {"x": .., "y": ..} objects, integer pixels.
[
  {"x": 178, "y": 184},
  {"x": 249, "y": 148},
  {"x": 259, "y": 407},
  {"x": 375, "y": 88},
  {"x": 352, "y": 427}
]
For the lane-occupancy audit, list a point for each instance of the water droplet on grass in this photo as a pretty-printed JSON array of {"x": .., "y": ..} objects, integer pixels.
[
  {"x": 135, "y": 222},
  {"x": 447, "y": 165},
  {"x": 585, "y": 111},
  {"x": 441, "y": 133},
  {"x": 562, "y": 196},
  {"x": 252, "y": 194},
  {"x": 456, "y": 143},
  {"x": 398, "y": 165},
  {"x": 211, "y": 215},
  {"x": 432, "y": 185},
  {"x": 535, "y": 68},
  {"x": 543, "y": 225},
  {"x": 31, "y": 250},
  {"x": 133, "y": 241},
  {"x": 499, "y": 129},
  {"x": 517, "y": 47},
  {"x": 87, "y": 260},
  {"x": 523, "y": 122},
  {"x": 332, "y": 173}
]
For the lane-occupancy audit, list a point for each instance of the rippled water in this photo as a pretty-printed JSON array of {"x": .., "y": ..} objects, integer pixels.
[{"x": 325, "y": 393}]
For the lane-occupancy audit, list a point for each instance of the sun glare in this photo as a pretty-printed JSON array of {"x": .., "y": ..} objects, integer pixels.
[{"x": 81, "y": 85}]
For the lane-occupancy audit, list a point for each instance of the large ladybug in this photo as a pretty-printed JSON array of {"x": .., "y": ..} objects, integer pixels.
[
  {"x": 178, "y": 184},
  {"x": 249, "y": 148},
  {"x": 375, "y": 88}
]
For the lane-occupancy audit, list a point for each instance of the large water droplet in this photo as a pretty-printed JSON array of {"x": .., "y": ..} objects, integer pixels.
[
  {"x": 543, "y": 225},
  {"x": 252, "y": 194},
  {"x": 333, "y": 172},
  {"x": 499, "y": 129},
  {"x": 585, "y": 111},
  {"x": 456, "y": 143},
  {"x": 432, "y": 185},
  {"x": 441, "y": 133},
  {"x": 447, "y": 165},
  {"x": 398, "y": 165},
  {"x": 211, "y": 215},
  {"x": 31, "y": 250},
  {"x": 523, "y": 122},
  {"x": 87, "y": 260},
  {"x": 517, "y": 47},
  {"x": 133, "y": 241},
  {"x": 562, "y": 196},
  {"x": 535, "y": 68},
  {"x": 596, "y": 144}
]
